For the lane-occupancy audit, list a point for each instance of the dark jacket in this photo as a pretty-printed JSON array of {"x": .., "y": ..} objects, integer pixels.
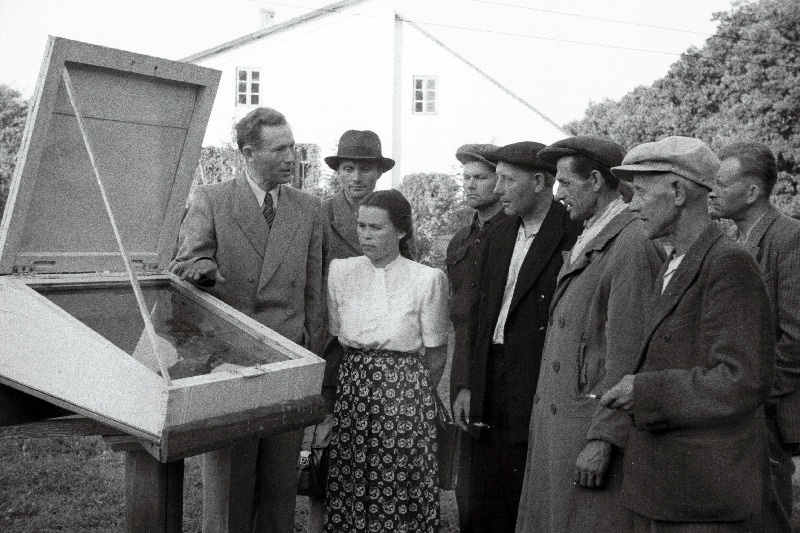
[
  {"x": 525, "y": 326},
  {"x": 698, "y": 448},
  {"x": 775, "y": 243},
  {"x": 463, "y": 271}
]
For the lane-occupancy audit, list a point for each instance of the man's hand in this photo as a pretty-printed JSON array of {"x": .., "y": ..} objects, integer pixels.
[
  {"x": 592, "y": 463},
  {"x": 200, "y": 272},
  {"x": 461, "y": 409},
  {"x": 621, "y": 395}
]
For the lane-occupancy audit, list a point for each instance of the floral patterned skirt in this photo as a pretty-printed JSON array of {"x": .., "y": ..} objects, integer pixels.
[{"x": 383, "y": 472}]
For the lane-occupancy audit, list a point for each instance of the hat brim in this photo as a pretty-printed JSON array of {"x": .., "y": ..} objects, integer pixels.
[
  {"x": 628, "y": 172},
  {"x": 467, "y": 157},
  {"x": 386, "y": 164},
  {"x": 552, "y": 155}
]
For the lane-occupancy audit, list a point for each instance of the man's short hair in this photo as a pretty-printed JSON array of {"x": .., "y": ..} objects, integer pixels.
[
  {"x": 584, "y": 166},
  {"x": 248, "y": 130},
  {"x": 755, "y": 159}
]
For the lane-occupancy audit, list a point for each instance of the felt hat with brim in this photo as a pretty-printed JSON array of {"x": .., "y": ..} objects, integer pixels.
[
  {"x": 685, "y": 156},
  {"x": 483, "y": 153},
  {"x": 599, "y": 149},
  {"x": 356, "y": 145},
  {"x": 524, "y": 154}
]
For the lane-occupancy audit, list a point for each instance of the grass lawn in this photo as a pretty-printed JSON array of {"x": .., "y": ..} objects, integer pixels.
[{"x": 76, "y": 485}]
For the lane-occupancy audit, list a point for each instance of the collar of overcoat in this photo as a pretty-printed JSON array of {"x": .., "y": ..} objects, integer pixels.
[
  {"x": 753, "y": 243},
  {"x": 248, "y": 216},
  {"x": 542, "y": 248},
  {"x": 597, "y": 244},
  {"x": 685, "y": 274},
  {"x": 344, "y": 222}
]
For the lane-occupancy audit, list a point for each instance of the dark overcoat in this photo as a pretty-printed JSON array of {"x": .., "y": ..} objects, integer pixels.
[
  {"x": 527, "y": 317},
  {"x": 594, "y": 339},
  {"x": 698, "y": 448}
]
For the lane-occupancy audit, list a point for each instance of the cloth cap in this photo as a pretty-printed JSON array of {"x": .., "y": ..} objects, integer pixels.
[
  {"x": 484, "y": 153},
  {"x": 685, "y": 156},
  {"x": 598, "y": 149},
  {"x": 523, "y": 154},
  {"x": 355, "y": 145}
]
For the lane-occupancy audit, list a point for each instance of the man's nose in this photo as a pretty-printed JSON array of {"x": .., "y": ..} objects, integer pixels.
[
  {"x": 559, "y": 195},
  {"x": 499, "y": 187}
]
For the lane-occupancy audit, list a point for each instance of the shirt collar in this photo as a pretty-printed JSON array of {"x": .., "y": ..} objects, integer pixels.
[{"x": 259, "y": 192}]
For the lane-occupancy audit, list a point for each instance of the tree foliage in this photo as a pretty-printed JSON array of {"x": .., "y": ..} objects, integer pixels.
[
  {"x": 13, "y": 112},
  {"x": 437, "y": 208},
  {"x": 743, "y": 84}
]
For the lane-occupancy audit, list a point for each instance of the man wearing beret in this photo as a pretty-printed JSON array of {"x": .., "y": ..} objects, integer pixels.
[
  {"x": 574, "y": 469},
  {"x": 462, "y": 270},
  {"x": 696, "y": 456},
  {"x": 741, "y": 193},
  {"x": 494, "y": 383}
]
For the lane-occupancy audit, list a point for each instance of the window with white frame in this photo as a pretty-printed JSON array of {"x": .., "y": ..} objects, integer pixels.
[
  {"x": 424, "y": 101},
  {"x": 248, "y": 86}
]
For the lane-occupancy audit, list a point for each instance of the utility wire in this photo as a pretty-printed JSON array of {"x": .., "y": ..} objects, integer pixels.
[
  {"x": 631, "y": 23},
  {"x": 541, "y": 38}
]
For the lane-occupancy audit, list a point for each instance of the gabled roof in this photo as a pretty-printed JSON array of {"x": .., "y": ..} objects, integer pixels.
[{"x": 329, "y": 9}]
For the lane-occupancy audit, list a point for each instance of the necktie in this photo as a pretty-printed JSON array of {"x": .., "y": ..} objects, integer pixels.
[{"x": 268, "y": 209}]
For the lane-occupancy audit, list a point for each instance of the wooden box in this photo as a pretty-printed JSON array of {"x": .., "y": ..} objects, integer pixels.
[{"x": 72, "y": 333}]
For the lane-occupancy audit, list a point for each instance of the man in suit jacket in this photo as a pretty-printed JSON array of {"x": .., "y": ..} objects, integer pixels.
[
  {"x": 463, "y": 268},
  {"x": 574, "y": 469},
  {"x": 696, "y": 457},
  {"x": 741, "y": 193},
  {"x": 494, "y": 383},
  {"x": 256, "y": 244}
]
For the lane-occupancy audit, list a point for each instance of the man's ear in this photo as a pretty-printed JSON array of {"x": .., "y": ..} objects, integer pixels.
[
  {"x": 247, "y": 152},
  {"x": 597, "y": 180},
  {"x": 679, "y": 191},
  {"x": 540, "y": 179},
  {"x": 753, "y": 193}
]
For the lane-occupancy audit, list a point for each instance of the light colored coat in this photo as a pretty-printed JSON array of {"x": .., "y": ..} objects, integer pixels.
[
  {"x": 272, "y": 275},
  {"x": 594, "y": 337}
]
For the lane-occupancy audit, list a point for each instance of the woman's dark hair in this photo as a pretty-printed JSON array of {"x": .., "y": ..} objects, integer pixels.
[{"x": 399, "y": 210}]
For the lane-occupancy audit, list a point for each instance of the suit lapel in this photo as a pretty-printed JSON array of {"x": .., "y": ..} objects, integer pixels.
[
  {"x": 344, "y": 223},
  {"x": 544, "y": 245},
  {"x": 287, "y": 220},
  {"x": 498, "y": 256},
  {"x": 248, "y": 216},
  {"x": 753, "y": 243},
  {"x": 683, "y": 277}
]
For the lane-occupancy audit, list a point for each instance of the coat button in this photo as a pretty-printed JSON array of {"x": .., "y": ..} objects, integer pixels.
[
  {"x": 477, "y": 241},
  {"x": 474, "y": 285},
  {"x": 556, "y": 366},
  {"x": 561, "y": 322},
  {"x": 667, "y": 337},
  {"x": 251, "y": 279},
  {"x": 553, "y": 408},
  {"x": 541, "y": 296},
  {"x": 541, "y": 328},
  {"x": 536, "y": 398}
]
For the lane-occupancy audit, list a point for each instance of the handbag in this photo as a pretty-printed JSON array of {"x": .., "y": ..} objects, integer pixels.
[
  {"x": 448, "y": 440},
  {"x": 312, "y": 467}
]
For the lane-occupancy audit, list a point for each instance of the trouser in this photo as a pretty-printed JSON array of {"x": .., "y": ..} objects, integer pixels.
[
  {"x": 776, "y": 511},
  {"x": 463, "y": 481},
  {"x": 252, "y": 486}
]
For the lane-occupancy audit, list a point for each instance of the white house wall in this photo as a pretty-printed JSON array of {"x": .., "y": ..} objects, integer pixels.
[{"x": 326, "y": 76}]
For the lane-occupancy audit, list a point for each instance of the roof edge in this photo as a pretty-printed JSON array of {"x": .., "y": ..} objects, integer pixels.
[{"x": 328, "y": 9}]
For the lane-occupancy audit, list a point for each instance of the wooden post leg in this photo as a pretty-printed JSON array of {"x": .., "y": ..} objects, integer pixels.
[{"x": 153, "y": 494}]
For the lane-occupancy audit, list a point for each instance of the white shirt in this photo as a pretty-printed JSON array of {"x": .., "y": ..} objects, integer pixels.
[
  {"x": 401, "y": 307},
  {"x": 521, "y": 247},
  {"x": 261, "y": 193},
  {"x": 673, "y": 265}
]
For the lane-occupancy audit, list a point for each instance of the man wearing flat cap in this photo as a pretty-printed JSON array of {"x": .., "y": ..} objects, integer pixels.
[
  {"x": 495, "y": 381},
  {"x": 741, "y": 193},
  {"x": 574, "y": 469},
  {"x": 697, "y": 453},
  {"x": 463, "y": 269}
]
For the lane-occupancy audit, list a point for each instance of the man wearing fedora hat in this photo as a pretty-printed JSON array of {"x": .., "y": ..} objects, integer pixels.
[
  {"x": 495, "y": 381},
  {"x": 463, "y": 254},
  {"x": 574, "y": 469},
  {"x": 697, "y": 455}
]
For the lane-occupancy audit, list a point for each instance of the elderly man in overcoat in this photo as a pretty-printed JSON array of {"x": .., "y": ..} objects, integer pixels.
[
  {"x": 741, "y": 193},
  {"x": 697, "y": 456},
  {"x": 494, "y": 386},
  {"x": 463, "y": 269},
  {"x": 256, "y": 244},
  {"x": 574, "y": 469}
]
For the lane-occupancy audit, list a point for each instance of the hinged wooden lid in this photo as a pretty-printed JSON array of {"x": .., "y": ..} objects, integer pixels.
[{"x": 145, "y": 118}]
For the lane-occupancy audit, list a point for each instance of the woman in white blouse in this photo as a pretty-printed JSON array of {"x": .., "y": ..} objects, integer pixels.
[{"x": 390, "y": 314}]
